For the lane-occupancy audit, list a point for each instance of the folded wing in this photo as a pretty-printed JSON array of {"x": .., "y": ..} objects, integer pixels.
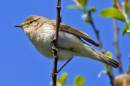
[{"x": 78, "y": 33}]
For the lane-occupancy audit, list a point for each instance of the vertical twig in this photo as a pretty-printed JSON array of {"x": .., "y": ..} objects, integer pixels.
[
  {"x": 96, "y": 31},
  {"x": 128, "y": 71},
  {"x": 129, "y": 59},
  {"x": 55, "y": 44},
  {"x": 111, "y": 77},
  {"x": 116, "y": 45}
]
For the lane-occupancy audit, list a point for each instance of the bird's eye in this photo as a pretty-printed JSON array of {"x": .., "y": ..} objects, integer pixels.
[
  {"x": 34, "y": 20},
  {"x": 31, "y": 22}
]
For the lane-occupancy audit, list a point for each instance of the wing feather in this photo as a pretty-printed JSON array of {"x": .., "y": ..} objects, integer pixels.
[{"x": 76, "y": 32}]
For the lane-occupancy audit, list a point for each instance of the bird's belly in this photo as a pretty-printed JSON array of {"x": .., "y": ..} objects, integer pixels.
[
  {"x": 47, "y": 51},
  {"x": 43, "y": 44}
]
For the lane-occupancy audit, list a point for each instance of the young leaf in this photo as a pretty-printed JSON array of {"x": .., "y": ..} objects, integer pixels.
[
  {"x": 86, "y": 17},
  {"x": 81, "y": 3},
  {"x": 62, "y": 79},
  {"x": 109, "y": 54},
  {"x": 108, "y": 68},
  {"x": 113, "y": 13},
  {"x": 73, "y": 7},
  {"x": 125, "y": 28},
  {"x": 93, "y": 9},
  {"x": 79, "y": 81},
  {"x": 128, "y": 31},
  {"x": 115, "y": 3}
]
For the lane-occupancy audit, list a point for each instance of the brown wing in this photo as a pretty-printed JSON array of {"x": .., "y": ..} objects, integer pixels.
[{"x": 78, "y": 33}]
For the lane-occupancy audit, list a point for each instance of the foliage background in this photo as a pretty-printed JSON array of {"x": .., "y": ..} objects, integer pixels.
[{"x": 22, "y": 65}]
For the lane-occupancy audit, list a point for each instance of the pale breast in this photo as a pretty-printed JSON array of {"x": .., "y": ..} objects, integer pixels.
[
  {"x": 43, "y": 41},
  {"x": 45, "y": 35}
]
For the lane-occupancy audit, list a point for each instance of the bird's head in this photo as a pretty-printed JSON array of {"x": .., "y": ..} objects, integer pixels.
[{"x": 32, "y": 23}]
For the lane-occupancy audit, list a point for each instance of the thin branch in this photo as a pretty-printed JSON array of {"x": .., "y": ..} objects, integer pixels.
[
  {"x": 111, "y": 77},
  {"x": 116, "y": 45},
  {"x": 96, "y": 31},
  {"x": 55, "y": 44},
  {"x": 64, "y": 64},
  {"x": 129, "y": 59},
  {"x": 128, "y": 70}
]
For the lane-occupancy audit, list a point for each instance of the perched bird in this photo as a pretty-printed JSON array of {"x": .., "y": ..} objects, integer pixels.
[{"x": 41, "y": 32}]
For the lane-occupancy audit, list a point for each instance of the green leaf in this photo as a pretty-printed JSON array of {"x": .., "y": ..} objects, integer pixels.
[
  {"x": 108, "y": 67},
  {"x": 113, "y": 13},
  {"x": 62, "y": 79},
  {"x": 73, "y": 7},
  {"x": 109, "y": 54},
  {"x": 125, "y": 28},
  {"x": 115, "y": 3},
  {"x": 86, "y": 17},
  {"x": 128, "y": 31},
  {"x": 93, "y": 9},
  {"x": 79, "y": 81},
  {"x": 81, "y": 3}
]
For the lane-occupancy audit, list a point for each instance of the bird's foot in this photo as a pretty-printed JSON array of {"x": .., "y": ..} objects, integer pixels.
[
  {"x": 54, "y": 46},
  {"x": 53, "y": 74}
]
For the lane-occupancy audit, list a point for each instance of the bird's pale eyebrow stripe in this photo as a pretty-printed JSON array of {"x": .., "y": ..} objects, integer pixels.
[{"x": 31, "y": 21}]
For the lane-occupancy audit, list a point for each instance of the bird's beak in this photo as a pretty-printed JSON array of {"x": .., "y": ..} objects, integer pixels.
[{"x": 19, "y": 26}]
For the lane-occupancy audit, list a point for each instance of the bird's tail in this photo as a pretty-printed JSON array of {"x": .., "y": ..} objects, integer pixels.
[
  {"x": 92, "y": 53},
  {"x": 105, "y": 59}
]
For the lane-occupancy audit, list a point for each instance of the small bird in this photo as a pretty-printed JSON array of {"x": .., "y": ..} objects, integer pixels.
[{"x": 41, "y": 31}]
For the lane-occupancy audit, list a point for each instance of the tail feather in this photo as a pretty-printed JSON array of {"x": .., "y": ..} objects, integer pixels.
[
  {"x": 93, "y": 54},
  {"x": 105, "y": 59}
]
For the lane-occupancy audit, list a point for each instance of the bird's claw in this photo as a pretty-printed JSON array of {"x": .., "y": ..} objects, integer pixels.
[
  {"x": 53, "y": 45},
  {"x": 53, "y": 74}
]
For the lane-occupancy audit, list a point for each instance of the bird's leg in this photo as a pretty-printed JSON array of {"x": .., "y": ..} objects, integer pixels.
[
  {"x": 53, "y": 74},
  {"x": 64, "y": 64},
  {"x": 54, "y": 51},
  {"x": 56, "y": 48},
  {"x": 53, "y": 43}
]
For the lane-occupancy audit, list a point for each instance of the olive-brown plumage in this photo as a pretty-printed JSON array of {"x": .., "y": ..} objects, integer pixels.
[{"x": 41, "y": 32}]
